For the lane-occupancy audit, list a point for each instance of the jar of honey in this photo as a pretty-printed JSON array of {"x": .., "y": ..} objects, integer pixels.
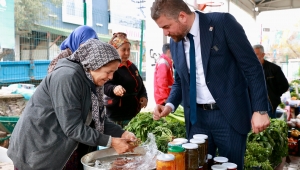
[
  {"x": 230, "y": 166},
  {"x": 165, "y": 162},
  {"x": 191, "y": 156},
  {"x": 179, "y": 154},
  {"x": 201, "y": 150},
  {"x": 204, "y": 137}
]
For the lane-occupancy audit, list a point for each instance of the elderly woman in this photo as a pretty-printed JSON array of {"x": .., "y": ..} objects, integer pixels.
[
  {"x": 126, "y": 90},
  {"x": 58, "y": 115},
  {"x": 79, "y": 36}
]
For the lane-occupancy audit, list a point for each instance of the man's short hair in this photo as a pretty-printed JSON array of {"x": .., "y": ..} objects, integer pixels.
[
  {"x": 166, "y": 47},
  {"x": 259, "y": 47},
  {"x": 168, "y": 8}
]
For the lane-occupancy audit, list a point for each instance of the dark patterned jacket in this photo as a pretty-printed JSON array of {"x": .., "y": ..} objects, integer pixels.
[{"x": 128, "y": 105}]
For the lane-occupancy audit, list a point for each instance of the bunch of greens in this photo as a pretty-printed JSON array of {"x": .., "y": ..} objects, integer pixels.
[
  {"x": 279, "y": 132},
  {"x": 165, "y": 130},
  {"x": 257, "y": 156},
  {"x": 178, "y": 115},
  {"x": 268, "y": 147}
]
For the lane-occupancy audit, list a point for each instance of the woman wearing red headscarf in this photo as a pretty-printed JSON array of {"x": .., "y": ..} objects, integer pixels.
[{"x": 126, "y": 90}]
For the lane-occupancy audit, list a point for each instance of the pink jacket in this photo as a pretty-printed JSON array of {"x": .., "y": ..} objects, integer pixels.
[{"x": 163, "y": 79}]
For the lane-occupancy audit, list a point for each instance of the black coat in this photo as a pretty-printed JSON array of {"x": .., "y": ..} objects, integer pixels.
[
  {"x": 128, "y": 105},
  {"x": 276, "y": 82}
]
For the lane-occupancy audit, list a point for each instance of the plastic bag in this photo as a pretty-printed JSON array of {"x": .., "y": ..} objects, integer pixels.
[
  {"x": 146, "y": 161},
  {"x": 26, "y": 90}
]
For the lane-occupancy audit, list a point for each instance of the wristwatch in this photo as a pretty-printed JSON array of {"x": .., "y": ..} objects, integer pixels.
[{"x": 262, "y": 112}]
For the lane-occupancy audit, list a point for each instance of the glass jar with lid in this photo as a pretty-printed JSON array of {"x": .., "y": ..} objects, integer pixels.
[
  {"x": 218, "y": 167},
  {"x": 201, "y": 150},
  {"x": 165, "y": 162},
  {"x": 204, "y": 137},
  {"x": 191, "y": 156},
  {"x": 219, "y": 160},
  {"x": 180, "y": 140},
  {"x": 170, "y": 144},
  {"x": 230, "y": 166},
  {"x": 179, "y": 153}
]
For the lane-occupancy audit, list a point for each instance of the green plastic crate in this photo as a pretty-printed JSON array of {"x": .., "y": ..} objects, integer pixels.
[{"x": 7, "y": 124}]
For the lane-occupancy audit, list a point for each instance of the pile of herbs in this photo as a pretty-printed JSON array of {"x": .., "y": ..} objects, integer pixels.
[
  {"x": 266, "y": 149},
  {"x": 165, "y": 129}
]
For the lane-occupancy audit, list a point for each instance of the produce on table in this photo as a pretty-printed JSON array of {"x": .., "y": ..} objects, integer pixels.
[
  {"x": 295, "y": 133},
  {"x": 266, "y": 149},
  {"x": 165, "y": 129},
  {"x": 293, "y": 146}
]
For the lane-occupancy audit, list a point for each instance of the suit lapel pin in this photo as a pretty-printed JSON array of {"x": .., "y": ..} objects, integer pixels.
[{"x": 211, "y": 28}]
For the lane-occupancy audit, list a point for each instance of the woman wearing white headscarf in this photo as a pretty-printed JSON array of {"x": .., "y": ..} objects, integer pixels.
[{"x": 58, "y": 115}]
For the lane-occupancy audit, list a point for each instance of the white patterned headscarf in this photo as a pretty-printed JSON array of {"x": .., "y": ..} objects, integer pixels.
[{"x": 93, "y": 55}]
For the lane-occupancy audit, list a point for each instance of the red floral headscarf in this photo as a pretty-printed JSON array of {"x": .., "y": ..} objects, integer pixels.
[{"x": 118, "y": 39}]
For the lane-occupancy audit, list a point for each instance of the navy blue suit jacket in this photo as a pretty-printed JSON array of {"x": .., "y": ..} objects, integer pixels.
[{"x": 233, "y": 73}]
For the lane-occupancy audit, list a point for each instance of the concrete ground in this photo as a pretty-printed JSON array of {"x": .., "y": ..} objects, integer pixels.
[{"x": 291, "y": 163}]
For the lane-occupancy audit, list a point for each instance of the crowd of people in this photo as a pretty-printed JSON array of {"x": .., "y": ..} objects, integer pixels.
[{"x": 93, "y": 90}]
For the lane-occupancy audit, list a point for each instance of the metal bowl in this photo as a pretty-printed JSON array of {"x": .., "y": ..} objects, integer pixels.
[{"x": 88, "y": 160}]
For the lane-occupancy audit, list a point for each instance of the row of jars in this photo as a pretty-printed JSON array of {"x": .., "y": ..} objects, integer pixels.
[{"x": 191, "y": 156}]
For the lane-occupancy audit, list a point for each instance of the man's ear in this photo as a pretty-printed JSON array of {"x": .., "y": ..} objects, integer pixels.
[{"x": 182, "y": 17}]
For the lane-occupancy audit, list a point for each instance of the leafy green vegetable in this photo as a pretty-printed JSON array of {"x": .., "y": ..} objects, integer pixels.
[
  {"x": 266, "y": 149},
  {"x": 165, "y": 130},
  {"x": 179, "y": 118}
]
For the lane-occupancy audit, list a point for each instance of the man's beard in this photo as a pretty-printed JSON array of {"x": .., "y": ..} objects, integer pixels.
[{"x": 180, "y": 37}]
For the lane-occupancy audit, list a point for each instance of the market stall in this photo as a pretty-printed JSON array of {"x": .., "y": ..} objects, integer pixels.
[{"x": 265, "y": 151}]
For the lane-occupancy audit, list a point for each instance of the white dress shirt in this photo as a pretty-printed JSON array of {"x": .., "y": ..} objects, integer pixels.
[{"x": 203, "y": 94}]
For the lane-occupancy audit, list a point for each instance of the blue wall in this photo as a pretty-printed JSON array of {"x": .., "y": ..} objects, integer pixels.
[{"x": 100, "y": 15}]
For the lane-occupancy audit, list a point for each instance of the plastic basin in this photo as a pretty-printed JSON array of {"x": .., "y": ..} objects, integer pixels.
[{"x": 7, "y": 124}]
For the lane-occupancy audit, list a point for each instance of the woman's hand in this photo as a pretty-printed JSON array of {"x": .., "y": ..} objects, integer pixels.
[
  {"x": 121, "y": 145},
  {"x": 119, "y": 91},
  {"x": 144, "y": 102},
  {"x": 129, "y": 135}
]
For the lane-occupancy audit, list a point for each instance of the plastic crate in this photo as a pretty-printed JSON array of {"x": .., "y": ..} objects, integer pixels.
[
  {"x": 21, "y": 71},
  {"x": 7, "y": 124}
]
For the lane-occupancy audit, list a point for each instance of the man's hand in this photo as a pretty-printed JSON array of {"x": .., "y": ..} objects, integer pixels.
[
  {"x": 119, "y": 91},
  {"x": 161, "y": 111},
  {"x": 129, "y": 136},
  {"x": 121, "y": 145},
  {"x": 259, "y": 122},
  {"x": 143, "y": 102}
]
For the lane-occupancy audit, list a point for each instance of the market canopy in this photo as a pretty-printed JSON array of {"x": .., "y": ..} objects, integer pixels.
[{"x": 268, "y": 5}]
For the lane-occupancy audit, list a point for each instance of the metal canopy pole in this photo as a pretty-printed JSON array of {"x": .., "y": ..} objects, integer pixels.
[
  {"x": 84, "y": 12},
  {"x": 141, "y": 46}
]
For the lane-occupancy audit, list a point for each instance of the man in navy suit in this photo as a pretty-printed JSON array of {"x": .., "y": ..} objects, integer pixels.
[{"x": 230, "y": 90}]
